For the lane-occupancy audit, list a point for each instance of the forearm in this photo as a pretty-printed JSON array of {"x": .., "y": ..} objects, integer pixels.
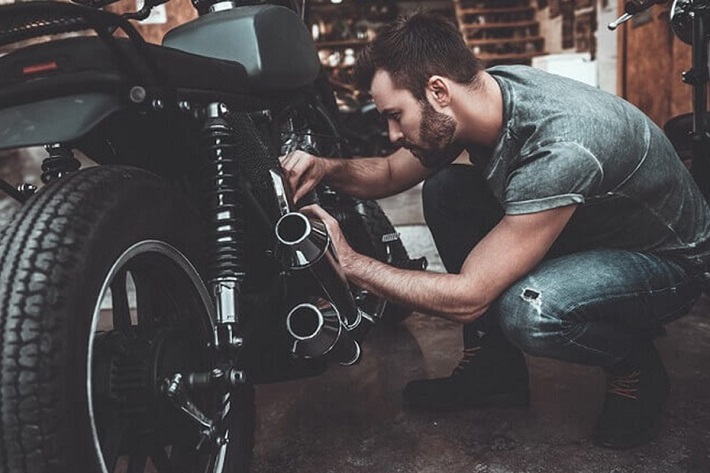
[
  {"x": 365, "y": 178},
  {"x": 442, "y": 295},
  {"x": 374, "y": 178}
]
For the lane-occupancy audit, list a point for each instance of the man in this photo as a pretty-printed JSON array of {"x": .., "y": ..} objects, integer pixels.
[{"x": 576, "y": 234}]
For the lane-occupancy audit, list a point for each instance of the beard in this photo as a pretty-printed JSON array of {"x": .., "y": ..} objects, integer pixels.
[{"x": 437, "y": 132}]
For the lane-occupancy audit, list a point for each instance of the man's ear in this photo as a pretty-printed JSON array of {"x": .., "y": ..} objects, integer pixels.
[{"x": 438, "y": 91}]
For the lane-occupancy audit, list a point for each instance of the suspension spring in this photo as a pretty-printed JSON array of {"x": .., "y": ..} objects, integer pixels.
[
  {"x": 226, "y": 209},
  {"x": 60, "y": 162}
]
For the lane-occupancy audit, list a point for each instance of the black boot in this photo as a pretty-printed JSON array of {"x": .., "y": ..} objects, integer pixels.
[
  {"x": 637, "y": 388},
  {"x": 492, "y": 372}
]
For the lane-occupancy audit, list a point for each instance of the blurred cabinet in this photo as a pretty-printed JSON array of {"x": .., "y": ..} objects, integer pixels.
[
  {"x": 500, "y": 32},
  {"x": 340, "y": 32}
]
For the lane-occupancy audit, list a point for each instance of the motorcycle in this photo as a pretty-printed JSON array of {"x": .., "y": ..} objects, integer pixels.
[
  {"x": 142, "y": 299},
  {"x": 689, "y": 133}
]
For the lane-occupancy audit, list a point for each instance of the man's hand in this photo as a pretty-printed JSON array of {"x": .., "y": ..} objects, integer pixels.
[
  {"x": 303, "y": 171},
  {"x": 345, "y": 253}
]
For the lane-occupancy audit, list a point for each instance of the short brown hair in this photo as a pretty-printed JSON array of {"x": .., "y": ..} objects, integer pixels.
[{"x": 415, "y": 47}]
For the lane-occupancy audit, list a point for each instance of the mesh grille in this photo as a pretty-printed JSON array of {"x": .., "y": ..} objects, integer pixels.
[{"x": 255, "y": 159}]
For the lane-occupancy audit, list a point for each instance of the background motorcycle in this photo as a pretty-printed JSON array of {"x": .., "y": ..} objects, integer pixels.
[
  {"x": 689, "y": 133},
  {"x": 142, "y": 299}
]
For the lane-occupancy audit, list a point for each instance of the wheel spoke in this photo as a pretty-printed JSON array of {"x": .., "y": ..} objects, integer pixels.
[
  {"x": 137, "y": 463},
  {"x": 160, "y": 459},
  {"x": 183, "y": 459},
  {"x": 111, "y": 443},
  {"x": 119, "y": 301},
  {"x": 167, "y": 320},
  {"x": 146, "y": 304}
]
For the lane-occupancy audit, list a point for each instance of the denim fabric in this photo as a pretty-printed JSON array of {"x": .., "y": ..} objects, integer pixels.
[
  {"x": 589, "y": 307},
  {"x": 564, "y": 143},
  {"x": 593, "y": 307}
]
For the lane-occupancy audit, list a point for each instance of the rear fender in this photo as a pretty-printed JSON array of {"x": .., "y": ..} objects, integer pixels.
[{"x": 55, "y": 120}]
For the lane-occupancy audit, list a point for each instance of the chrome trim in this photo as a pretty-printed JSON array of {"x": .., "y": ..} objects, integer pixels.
[
  {"x": 280, "y": 189},
  {"x": 222, "y": 6},
  {"x": 226, "y": 292},
  {"x": 356, "y": 358},
  {"x": 306, "y": 247}
]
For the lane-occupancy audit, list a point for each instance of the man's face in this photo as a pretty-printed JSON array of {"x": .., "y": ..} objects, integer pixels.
[{"x": 415, "y": 125}]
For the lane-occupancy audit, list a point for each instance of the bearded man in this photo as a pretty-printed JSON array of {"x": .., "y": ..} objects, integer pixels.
[{"x": 576, "y": 234}]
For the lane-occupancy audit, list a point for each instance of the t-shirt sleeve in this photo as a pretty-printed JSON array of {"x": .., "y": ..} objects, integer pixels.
[{"x": 554, "y": 175}]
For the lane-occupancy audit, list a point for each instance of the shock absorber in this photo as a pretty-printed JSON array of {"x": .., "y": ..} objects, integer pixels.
[
  {"x": 60, "y": 162},
  {"x": 225, "y": 222}
]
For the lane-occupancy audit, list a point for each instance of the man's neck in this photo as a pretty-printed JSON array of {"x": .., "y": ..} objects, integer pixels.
[{"x": 480, "y": 113}]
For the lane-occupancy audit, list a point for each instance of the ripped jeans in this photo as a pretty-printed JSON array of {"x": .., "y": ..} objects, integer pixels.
[{"x": 589, "y": 307}]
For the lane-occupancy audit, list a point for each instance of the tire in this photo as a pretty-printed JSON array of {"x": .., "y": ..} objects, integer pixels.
[
  {"x": 364, "y": 225},
  {"x": 78, "y": 380}
]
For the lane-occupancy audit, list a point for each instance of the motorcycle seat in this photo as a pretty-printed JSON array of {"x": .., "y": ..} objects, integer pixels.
[{"x": 86, "y": 64}]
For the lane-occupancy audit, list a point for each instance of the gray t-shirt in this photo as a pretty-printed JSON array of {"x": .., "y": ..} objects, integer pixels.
[{"x": 564, "y": 142}]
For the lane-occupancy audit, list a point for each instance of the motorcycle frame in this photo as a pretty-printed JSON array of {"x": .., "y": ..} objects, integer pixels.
[
  {"x": 153, "y": 95},
  {"x": 698, "y": 77}
]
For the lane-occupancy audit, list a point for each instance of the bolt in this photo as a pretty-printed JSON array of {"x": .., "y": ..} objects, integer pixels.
[
  {"x": 236, "y": 377},
  {"x": 217, "y": 373},
  {"x": 184, "y": 106},
  {"x": 223, "y": 109},
  {"x": 157, "y": 104},
  {"x": 172, "y": 386},
  {"x": 137, "y": 94},
  {"x": 27, "y": 189}
]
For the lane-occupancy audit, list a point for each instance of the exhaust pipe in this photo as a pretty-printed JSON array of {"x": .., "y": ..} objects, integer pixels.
[
  {"x": 317, "y": 331},
  {"x": 305, "y": 245}
]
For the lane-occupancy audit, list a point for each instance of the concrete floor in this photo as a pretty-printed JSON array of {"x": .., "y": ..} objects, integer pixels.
[{"x": 352, "y": 419}]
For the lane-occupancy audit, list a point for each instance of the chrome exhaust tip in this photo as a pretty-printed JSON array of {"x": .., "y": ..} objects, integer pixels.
[
  {"x": 305, "y": 245},
  {"x": 317, "y": 331},
  {"x": 306, "y": 239}
]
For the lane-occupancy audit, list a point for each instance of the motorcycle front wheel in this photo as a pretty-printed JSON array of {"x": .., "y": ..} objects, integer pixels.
[{"x": 100, "y": 305}]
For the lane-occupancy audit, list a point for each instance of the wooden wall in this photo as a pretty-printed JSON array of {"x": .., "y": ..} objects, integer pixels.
[
  {"x": 178, "y": 12},
  {"x": 651, "y": 60}
]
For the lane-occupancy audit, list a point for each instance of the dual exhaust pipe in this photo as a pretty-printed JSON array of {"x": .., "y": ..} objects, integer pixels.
[{"x": 329, "y": 325}]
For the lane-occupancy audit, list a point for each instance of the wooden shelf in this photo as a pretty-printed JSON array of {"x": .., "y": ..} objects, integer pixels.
[
  {"x": 507, "y": 34},
  {"x": 501, "y": 25},
  {"x": 343, "y": 43},
  {"x": 508, "y": 57},
  {"x": 495, "y": 11},
  {"x": 484, "y": 42}
]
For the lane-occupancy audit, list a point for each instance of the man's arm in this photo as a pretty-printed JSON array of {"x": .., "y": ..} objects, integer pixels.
[
  {"x": 511, "y": 250},
  {"x": 366, "y": 178}
]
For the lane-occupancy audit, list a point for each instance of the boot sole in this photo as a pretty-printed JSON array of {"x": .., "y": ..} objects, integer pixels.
[
  {"x": 643, "y": 438},
  {"x": 647, "y": 436}
]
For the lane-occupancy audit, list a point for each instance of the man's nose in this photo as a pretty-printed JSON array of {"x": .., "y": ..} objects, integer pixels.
[{"x": 395, "y": 133}]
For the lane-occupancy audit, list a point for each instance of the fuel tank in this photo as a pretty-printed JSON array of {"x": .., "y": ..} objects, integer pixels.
[{"x": 272, "y": 43}]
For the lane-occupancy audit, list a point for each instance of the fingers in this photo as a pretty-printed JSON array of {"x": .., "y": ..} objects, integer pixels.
[
  {"x": 342, "y": 249},
  {"x": 316, "y": 210},
  {"x": 301, "y": 174}
]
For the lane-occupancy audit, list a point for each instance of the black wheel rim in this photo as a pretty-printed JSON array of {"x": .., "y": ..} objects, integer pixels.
[{"x": 133, "y": 345}]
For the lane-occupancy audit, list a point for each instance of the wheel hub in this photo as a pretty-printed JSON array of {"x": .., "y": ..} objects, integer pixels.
[{"x": 129, "y": 372}]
